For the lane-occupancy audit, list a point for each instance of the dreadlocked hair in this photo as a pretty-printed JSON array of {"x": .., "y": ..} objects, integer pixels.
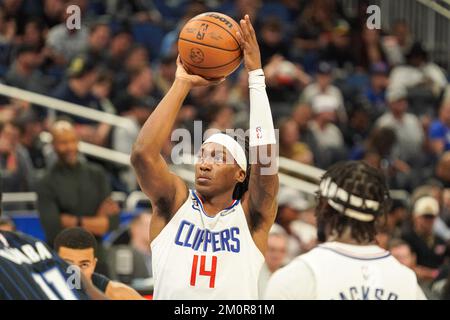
[
  {"x": 241, "y": 187},
  {"x": 358, "y": 179}
]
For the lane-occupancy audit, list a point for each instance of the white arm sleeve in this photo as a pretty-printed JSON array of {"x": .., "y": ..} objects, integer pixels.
[
  {"x": 296, "y": 281},
  {"x": 261, "y": 124}
]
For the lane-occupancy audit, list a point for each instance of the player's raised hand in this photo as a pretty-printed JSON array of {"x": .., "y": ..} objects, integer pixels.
[
  {"x": 192, "y": 79},
  {"x": 249, "y": 44}
]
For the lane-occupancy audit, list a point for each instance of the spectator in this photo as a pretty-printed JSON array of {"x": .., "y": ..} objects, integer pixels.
[
  {"x": 329, "y": 138},
  {"x": 15, "y": 165},
  {"x": 165, "y": 74},
  {"x": 439, "y": 132},
  {"x": 24, "y": 72},
  {"x": 272, "y": 40},
  {"x": 376, "y": 92},
  {"x": 406, "y": 126},
  {"x": 65, "y": 44},
  {"x": 78, "y": 246},
  {"x": 290, "y": 146},
  {"x": 396, "y": 217},
  {"x": 323, "y": 85},
  {"x": 98, "y": 41},
  {"x": 290, "y": 205},
  {"x": 431, "y": 250},
  {"x": 82, "y": 76},
  {"x": 419, "y": 72},
  {"x": 118, "y": 49},
  {"x": 74, "y": 192},
  {"x": 53, "y": 12},
  {"x": 30, "y": 129},
  {"x": 141, "y": 87},
  {"x": 275, "y": 257}
]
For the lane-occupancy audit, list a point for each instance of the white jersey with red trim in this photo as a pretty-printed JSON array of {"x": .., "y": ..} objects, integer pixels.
[
  {"x": 196, "y": 256},
  {"x": 341, "y": 271}
]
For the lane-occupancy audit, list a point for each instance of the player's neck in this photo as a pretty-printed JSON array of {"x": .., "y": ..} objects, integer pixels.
[
  {"x": 347, "y": 238},
  {"x": 212, "y": 205}
]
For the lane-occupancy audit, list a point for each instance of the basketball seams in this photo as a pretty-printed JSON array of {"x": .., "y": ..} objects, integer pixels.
[
  {"x": 208, "y": 45},
  {"x": 204, "y": 20},
  {"x": 215, "y": 67}
]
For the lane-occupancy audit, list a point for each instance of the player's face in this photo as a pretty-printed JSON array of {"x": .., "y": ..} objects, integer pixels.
[
  {"x": 83, "y": 258},
  {"x": 65, "y": 144},
  {"x": 216, "y": 171}
]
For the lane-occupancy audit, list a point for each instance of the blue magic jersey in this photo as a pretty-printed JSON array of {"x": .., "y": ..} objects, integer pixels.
[
  {"x": 201, "y": 257},
  {"x": 29, "y": 270}
]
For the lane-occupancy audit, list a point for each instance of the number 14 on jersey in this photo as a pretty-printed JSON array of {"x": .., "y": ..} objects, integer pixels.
[{"x": 201, "y": 270}]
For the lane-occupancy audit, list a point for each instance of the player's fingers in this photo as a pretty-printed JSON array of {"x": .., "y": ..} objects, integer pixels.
[
  {"x": 250, "y": 26},
  {"x": 244, "y": 28}
]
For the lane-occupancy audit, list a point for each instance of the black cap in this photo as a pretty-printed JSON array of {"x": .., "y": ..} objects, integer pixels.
[
  {"x": 25, "y": 48},
  {"x": 417, "y": 50}
]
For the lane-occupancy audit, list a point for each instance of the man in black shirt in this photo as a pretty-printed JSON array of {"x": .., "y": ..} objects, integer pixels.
[
  {"x": 75, "y": 192},
  {"x": 431, "y": 250},
  {"x": 77, "y": 246},
  {"x": 29, "y": 270}
]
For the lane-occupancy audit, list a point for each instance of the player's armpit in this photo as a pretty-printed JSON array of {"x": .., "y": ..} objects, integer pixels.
[{"x": 120, "y": 291}]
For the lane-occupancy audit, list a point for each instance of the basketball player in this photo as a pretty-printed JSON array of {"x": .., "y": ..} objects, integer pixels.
[
  {"x": 208, "y": 243},
  {"x": 77, "y": 246},
  {"x": 29, "y": 270},
  {"x": 352, "y": 198}
]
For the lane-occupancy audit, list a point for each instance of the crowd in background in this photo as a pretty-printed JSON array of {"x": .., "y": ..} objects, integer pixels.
[{"x": 338, "y": 91}]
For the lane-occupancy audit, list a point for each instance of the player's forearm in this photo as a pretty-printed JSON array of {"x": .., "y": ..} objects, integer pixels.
[
  {"x": 97, "y": 225},
  {"x": 158, "y": 126}
]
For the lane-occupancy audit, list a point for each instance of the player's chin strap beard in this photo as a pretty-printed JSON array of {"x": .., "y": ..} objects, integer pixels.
[{"x": 348, "y": 204}]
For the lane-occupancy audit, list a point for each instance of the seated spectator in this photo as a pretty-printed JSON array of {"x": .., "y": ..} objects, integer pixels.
[
  {"x": 119, "y": 46},
  {"x": 329, "y": 138},
  {"x": 323, "y": 86},
  {"x": 98, "y": 41},
  {"x": 407, "y": 127},
  {"x": 396, "y": 217},
  {"x": 82, "y": 76},
  {"x": 275, "y": 257},
  {"x": 15, "y": 165},
  {"x": 24, "y": 73},
  {"x": 291, "y": 203},
  {"x": 64, "y": 44},
  {"x": 272, "y": 40},
  {"x": 430, "y": 249},
  {"x": 419, "y": 72},
  {"x": 138, "y": 264},
  {"x": 439, "y": 132},
  {"x": 75, "y": 192},
  {"x": 358, "y": 128},
  {"x": 30, "y": 130},
  {"x": 6, "y": 224},
  {"x": 78, "y": 247},
  {"x": 290, "y": 145},
  {"x": 141, "y": 87},
  {"x": 165, "y": 74},
  {"x": 376, "y": 92}
]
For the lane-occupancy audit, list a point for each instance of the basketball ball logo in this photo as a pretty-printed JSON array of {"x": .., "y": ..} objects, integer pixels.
[
  {"x": 258, "y": 132},
  {"x": 197, "y": 55},
  {"x": 202, "y": 31}
]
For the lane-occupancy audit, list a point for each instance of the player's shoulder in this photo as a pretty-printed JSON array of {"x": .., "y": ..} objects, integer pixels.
[{"x": 18, "y": 237}]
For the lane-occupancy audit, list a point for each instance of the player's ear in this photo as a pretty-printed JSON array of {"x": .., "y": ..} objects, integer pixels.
[
  {"x": 240, "y": 175},
  {"x": 95, "y": 262}
]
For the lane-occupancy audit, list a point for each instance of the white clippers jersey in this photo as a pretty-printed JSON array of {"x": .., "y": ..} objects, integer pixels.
[
  {"x": 200, "y": 257},
  {"x": 341, "y": 272}
]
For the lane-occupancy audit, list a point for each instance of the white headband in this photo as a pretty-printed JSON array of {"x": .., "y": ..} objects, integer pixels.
[
  {"x": 330, "y": 190},
  {"x": 232, "y": 146}
]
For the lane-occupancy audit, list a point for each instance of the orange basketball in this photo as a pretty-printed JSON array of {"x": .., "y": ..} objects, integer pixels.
[{"x": 208, "y": 45}]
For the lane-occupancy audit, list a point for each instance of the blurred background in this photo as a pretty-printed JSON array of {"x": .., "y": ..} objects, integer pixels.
[{"x": 72, "y": 103}]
